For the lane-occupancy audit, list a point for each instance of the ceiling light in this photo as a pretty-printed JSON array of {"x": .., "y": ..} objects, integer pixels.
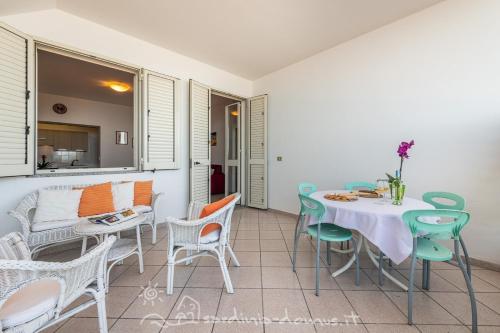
[
  {"x": 234, "y": 113},
  {"x": 117, "y": 86}
]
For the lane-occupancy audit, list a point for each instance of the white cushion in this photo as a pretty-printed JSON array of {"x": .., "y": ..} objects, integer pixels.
[
  {"x": 56, "y": 205},
  {"x": 142, "y": 209},
  {"x": 210, "y": 237},
  {"x": 41, "y": 226},
  {"x": 123, "y": 195},
  {"x": 30, "y": 302}
]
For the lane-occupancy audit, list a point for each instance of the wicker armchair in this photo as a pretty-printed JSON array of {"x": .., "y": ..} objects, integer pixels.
[
  {"x": 43, "y": 239},
  {"x": 85, "y": 275},
  {"x": 186, "y": 236}
]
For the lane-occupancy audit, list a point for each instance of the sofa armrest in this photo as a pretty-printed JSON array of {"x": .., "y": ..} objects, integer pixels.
[
  {"x": 155, "y": 204},
  {"x": 23, "y": 220}
]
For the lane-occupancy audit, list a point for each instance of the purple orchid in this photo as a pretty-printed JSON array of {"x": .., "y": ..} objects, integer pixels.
[{"x": 404, "y": 147}]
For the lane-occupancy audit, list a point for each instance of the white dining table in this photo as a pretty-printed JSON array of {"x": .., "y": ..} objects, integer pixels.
[{"x": 377, "y": 222}]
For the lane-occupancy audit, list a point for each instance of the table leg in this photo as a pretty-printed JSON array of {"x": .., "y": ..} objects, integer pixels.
[
  {"x": 84, "y": 245},
  {"x": 351, "y": 260},
  {"x": 139, "y": 248},
  {"x": 374, "y": 258}
]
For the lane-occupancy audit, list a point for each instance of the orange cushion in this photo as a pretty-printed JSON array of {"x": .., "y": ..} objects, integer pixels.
[
  {"x": 96, "y": 199},
  {"x": 212, "y": 208},
  {"x": 143, "y": 193}
]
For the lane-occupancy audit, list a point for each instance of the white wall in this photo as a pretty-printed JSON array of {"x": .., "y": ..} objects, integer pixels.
[
  {"x": 109, "y": 117},
  {"x": 433, "y": 77},
  {"x": 64, "y": 28}
]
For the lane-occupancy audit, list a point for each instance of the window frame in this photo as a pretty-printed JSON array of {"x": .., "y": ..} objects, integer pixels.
[{"x": 103, "y": 61}]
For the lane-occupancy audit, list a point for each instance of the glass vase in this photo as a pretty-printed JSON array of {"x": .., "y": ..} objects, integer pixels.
[{"x": 397, "y": 193}]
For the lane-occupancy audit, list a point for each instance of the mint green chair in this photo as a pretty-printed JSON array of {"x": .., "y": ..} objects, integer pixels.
[
  {"x": 427, "y": 249},
  {"x": 305, "y": 189},
  {"x": 454, "y": 202},
  {"x": 360, "y": 185},
  {"x": 324, "y": 232}
]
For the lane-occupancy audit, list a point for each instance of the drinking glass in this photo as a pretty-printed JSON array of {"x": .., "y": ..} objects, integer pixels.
[{"x": 383, "y": 187}]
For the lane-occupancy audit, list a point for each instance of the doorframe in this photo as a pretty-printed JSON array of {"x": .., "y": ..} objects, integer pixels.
[{"x": 243, "y": 148}]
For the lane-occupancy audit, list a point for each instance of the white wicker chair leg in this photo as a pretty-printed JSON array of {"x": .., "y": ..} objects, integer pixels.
[
  {"x": 225, "y": 274},
  {"x": 101, "y": 313},
  {"x": 139, "y": 249},
  {"x": 84, "y": 246},
  {"x": 234, "y": 260},
  {"x": 189, "y": 253},
  {"x": 153, "y": 228},
  {"x": 170, "y": 277}
]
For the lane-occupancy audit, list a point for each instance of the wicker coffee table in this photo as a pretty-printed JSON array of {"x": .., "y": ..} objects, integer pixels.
[{"x": 122, "y": 248}]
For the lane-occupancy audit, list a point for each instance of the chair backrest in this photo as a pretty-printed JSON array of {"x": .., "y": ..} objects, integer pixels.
[
  {"x": 307, "y": 188},
  {"x": 311, "y": 207},
  {"x": 360, "y": 185},
  {"x": 458, "y": 203},
  {"x": 414, "y": 220}
]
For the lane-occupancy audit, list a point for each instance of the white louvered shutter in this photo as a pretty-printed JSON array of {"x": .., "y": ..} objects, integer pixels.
[
  {"x": 161, "y": 122},
  {"x": 257, "y": 152},
  {"x": 16, "y": 104},
  {"x": 199, "y": 105}
]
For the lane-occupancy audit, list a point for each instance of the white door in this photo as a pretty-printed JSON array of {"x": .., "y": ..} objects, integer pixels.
[
  {"x": 232, "y": 148},
  {"x": 199, "y": 107},
  {"x": 257, "y": 152}
]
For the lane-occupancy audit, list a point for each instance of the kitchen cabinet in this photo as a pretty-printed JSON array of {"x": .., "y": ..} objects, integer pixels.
[
  {"x": 79, "y": 141},
  {"x": 45, "y": 137}
]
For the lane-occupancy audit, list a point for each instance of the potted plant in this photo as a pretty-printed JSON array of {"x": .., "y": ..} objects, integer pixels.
[{"x": 395, "y": 182}]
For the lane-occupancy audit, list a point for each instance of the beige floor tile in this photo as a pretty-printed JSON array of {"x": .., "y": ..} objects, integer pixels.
[
  {"x": 425, "y": 309},
  {"x": 231, "y": 327},
  {"x": 347, "y": 281},
  {"x": 457, "y": 278},
  {"x": 196, "y": 303},
  {"x": 387, "y": 285},
  {"x": 245, "y": 277},
  {"x": 443, "y": 329},
  {"x": 388, "y": 328},
  {"x": 272, "y": 245},
  {"x": 488, "y": 276},
  {"x": 437, "y": 283},
  {"x": 458, "y": 304},
  {"x": 248, "y": 258},
  {"x": 308, "y": 260},
  {"x": 491, "y": 300},
  {"x": 246, "y": 245},
  {"x": 131, "y": 277},
  {"x": 152, "y": 303},
  {"x": 83, "y": 325},
  {"x": 181, "y": 276},
  {"x": 248, "y": 226},
  {"x": 285, "y": 305},
  {"x": 116, "y": 272},
  {"x": 279, "y": 277},
  {"x": 161, "y": 245},
  {"x": 375, "y": 307},
  {"x": 269, "y": 225},
  {"x": 283, "y": 327},
  {"x": 187, "y": 326},
  {"x": 243, "y": 305},
  {"x": 206, "y": 277},
  {"x": 247, "y": 234},
  {"x": 288, "y": 234},
  {"x": 288, "y": 226},
  {"x": 209, "y": 261},
  {"x": 117, "y": 301},
  {"x": 158, "y": 258},
  {"x": 136, "y": 325},
  {"x": 277, "y": 259},
  {"x": 304, "y": 244},
  {"x": 330, "y": 306},
  {"x": 340, "y": 328},
  {"x": 270, "y": 234},
  {"x": 488, "y": 329},
  {"x": 307, "y": 279}
]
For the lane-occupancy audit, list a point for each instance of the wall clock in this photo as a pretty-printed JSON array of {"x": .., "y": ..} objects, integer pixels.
[{"x": 59, "y": 108}]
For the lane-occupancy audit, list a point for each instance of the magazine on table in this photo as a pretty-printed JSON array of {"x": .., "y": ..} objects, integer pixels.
[{"x": 115, "y": 218}]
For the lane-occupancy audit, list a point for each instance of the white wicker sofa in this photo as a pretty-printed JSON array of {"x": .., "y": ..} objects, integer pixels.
[{"x": 43, "y": 235}]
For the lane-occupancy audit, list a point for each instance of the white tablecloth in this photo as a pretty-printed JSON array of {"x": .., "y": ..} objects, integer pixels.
[{"x": 381, "y": 224}]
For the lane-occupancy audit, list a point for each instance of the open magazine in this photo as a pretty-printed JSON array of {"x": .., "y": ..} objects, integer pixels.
[{"x": 115, "y": 218}]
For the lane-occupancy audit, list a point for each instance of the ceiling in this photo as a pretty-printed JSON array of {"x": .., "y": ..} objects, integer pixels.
[
  {"x": 249, "y": 38},
  {"x": 61, "y": 75}
]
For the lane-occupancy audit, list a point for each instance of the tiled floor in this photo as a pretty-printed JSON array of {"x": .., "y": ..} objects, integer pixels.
[{"x": 270, "y": 298}]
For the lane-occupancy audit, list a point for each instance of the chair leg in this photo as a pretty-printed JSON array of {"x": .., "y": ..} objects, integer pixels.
[
  {"x": 296, "y": 240},
  {"x": 328, "y": 254},
  {"x": 341, "y": 245},
  {"x": 347, "y": 245},
  {"x": 225, "y": 274},
  {"x": 170, "y": 277},
  {"x": 84, "y": 246},
  {"x": 101, "y": 314},
  {"x": 153, "y": 229},
  {"x": 234, "y": 260},
  {"x": 318, "y": 252},
  {"x": 467, "y": 260},
  {"x": 356, "y": 253},
  {"x": 470, "y": 289},
  {"x": 426, "y": 274},
  {"x": 412, "y": 280},
  {"x": 380, "y": 268}
]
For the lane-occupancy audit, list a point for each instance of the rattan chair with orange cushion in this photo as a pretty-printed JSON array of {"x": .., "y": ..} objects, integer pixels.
[{"x": 205, "y": 233}]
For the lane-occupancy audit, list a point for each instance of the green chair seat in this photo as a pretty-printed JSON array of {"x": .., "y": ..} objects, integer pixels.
[
  {"x": 330, "y": 232},
  {"x": 430, "y": 250}
]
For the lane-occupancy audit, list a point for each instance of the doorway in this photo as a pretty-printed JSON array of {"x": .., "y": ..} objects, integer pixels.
[{"x": 225, "y": 143}]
